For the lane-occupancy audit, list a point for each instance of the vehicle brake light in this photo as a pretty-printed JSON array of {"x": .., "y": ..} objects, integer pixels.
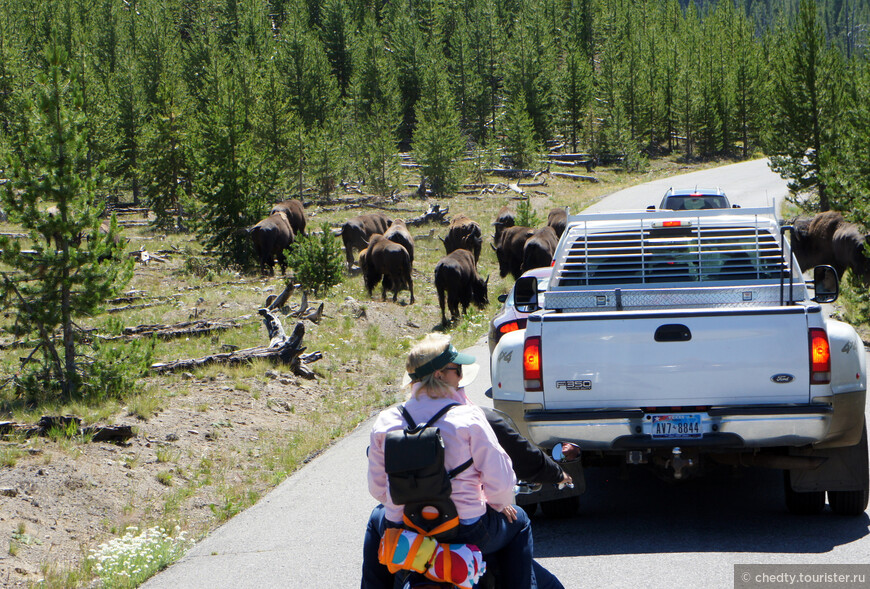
[
  {"x": 673, "y": 223},
  {"x": 512, "y": 326},
  {"x": 820, "y": 357},
  {"x": 532, "y": 376}
]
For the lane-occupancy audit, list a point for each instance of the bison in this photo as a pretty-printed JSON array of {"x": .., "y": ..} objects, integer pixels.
[
  {"x": 456, "y": 276},
  {"x": 295, "y": 214},
  {"x": 272, "y": 237},
  {"x": 464, "y": 233},
  {"x": 398, "y": 233},
  {"x": 558, "y": 220},
  {"x": 389, "y": 261},
  {"x": 829, "y": 239},
  {"x": 355, "y": 232},
  {"x": 503, "y": 220},
  {"x": 509, "y": 250},
  {"x": 539, "y": 248}
]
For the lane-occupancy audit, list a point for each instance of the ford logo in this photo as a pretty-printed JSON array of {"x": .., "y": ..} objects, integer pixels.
[{"x": 782, "y": 378}]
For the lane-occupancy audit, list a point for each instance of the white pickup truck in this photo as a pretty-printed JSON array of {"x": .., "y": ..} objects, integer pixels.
[{"x": 681, "y": 340}]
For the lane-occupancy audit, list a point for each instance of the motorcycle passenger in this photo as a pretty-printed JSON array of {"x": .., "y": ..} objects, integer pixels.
[{"x": 482, "y": 493}]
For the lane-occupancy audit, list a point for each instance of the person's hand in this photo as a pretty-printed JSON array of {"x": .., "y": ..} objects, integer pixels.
[
  {"x": 510, "y": 513},
  {"x": 566, "y": 479}
]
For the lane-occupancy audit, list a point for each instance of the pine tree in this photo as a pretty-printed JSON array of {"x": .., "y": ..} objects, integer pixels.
[
  {"x": 521, "y": 146},
  {"x": 227, "y": 183},
  {"x": 335, "y": 33},
  {"x": 65, "y": 278},
  {"x": 438, "y": 143},
  {"x": 807, "y": 94},
  {"x": 375, "y": 111}
]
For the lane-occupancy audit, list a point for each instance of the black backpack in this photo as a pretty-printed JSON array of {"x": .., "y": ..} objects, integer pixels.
[{"x": 419, "y": 481}]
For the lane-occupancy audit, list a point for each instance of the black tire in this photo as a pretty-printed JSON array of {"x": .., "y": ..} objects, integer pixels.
[
  {"x": 849, "y": 503},
  {"x": 561, "y": 508},
  {"x": 810, "y": 503}
]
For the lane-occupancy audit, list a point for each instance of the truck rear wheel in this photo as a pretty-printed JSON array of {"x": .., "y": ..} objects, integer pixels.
[
  {"x": 848, "y": 502},
  {"x": 561, "y": 508},
  {"x": 810, "y": 503}
]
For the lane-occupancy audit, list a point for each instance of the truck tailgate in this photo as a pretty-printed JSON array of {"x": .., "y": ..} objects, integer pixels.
[{"x": 675, "y": 358}]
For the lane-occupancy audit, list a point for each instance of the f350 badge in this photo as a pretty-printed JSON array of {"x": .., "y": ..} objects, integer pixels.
[{"x": 574, "y": 385}]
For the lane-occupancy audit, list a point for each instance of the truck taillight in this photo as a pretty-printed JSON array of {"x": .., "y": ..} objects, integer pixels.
[
  {"x": 820, "y": 357},
  {"x": 532, "y": 377}
]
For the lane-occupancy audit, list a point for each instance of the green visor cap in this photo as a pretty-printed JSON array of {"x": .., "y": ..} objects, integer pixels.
[{"x": 451, "y": 354}]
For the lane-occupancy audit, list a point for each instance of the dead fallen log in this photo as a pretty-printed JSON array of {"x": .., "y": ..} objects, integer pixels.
[
  {"x": 69, "y": 426},
  {"x": 511, "y": 172},
  {"x": 163, "y": 301},
  {"x": 143, "y": 257},
  {"x": 435, "y": 214},
  {"x": 185, "y": 328},
  {"x": 282, "y": 348},
  {"x": 574, "y": 176}
]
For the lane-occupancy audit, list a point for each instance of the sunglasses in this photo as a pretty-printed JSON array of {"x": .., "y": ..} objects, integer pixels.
[{"x": 457, "y": 369}]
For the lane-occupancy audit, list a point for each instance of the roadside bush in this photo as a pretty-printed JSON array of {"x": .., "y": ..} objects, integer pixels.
[{"x": 317, "y": 261}]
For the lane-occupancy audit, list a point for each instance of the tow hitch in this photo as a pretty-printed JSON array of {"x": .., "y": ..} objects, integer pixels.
[{"x": 678, "y": 463}]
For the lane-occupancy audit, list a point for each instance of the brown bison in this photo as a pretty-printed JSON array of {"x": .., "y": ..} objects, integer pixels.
[
  {"x": 295, "y": 214},
  {"x": 558, "y": 220},
  {"x": 464, "y": 233},
  {"x": 272, "y": 237},
  {"x": 509, "y": 250},
  {"x": 390, "y": 262},
  {"x": 539, "y": 248},
  {"x": 398, "y": 233},
  {"x": 355, "y": 232},
  {"x": 456, "y": 277},
  {"x": 829, "y": 239},
  {"x": 503, "y": 220}
]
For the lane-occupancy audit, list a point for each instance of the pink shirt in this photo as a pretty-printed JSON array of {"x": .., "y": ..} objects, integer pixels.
[{"x": 467, "y": 434}]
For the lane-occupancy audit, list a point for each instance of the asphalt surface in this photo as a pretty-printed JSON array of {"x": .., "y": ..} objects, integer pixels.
[{"x": 633, "y": 529}]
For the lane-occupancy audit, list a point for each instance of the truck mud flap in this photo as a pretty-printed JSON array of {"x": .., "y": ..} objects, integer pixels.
[{"x": 845, "y": 469}]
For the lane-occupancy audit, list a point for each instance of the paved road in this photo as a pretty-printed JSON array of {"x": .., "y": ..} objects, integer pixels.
[{"x": 632, "y": 530}]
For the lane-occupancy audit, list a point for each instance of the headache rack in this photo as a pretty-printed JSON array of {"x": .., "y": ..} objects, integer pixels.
[{"x": 706, "y": 258}]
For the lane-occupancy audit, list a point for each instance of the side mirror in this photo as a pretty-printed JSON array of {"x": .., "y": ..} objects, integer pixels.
[
  {"x": 826, "y": 284},
  {"x": 651, "y": 208},
  {"x": 735, "y": 206},
  {"x": 502, "y": 298},
  {"x": 526, "y": 294},
  {"x": 566, "y": 452}
]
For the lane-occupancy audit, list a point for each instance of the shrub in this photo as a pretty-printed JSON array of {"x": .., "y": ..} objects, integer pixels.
[
  {"x": 526, "y": 217},
  {"x": 317, "y": 261}
]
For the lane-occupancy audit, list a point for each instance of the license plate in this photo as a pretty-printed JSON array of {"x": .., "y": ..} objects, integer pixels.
[{"x": 684, "y": 425}]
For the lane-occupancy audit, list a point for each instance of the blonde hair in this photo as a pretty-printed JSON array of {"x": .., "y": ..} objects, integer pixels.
[{"x": 429, "y": 348}]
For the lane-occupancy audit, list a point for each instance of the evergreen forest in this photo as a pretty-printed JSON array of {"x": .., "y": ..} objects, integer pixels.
[{"x": 208, "y": 111}]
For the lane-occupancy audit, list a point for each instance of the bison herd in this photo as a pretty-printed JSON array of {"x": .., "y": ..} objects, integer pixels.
[{"x": 386, "y": 251}]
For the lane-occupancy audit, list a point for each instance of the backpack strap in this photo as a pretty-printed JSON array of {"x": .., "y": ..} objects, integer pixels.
[
  {"x": 412, "y": 424},
  {"x": 450, "y": 473}
]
